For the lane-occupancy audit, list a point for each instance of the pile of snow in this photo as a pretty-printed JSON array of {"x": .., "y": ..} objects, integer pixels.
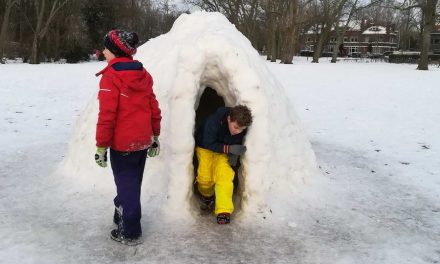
[{"x": 206, "y": 50}]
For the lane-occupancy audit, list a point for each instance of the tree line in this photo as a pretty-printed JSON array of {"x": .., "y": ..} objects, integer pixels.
[
  {"x": 276, "y": 26},
  {"x": 50, "y": 29}
]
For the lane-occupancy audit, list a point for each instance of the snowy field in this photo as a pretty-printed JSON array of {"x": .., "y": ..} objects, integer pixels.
[{"x": 373, "y": 126}]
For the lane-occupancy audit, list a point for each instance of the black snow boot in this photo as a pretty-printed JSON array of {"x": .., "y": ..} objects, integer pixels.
[
  {"x": 206, "y": 203},
  {"x": 117, "y": 216},
  {"x": 223, "y": 218},
  {"x": 117, "y": 236}
]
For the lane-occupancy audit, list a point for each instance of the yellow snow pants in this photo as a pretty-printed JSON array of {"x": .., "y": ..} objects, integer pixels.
[{"x": 215, "y": 175}]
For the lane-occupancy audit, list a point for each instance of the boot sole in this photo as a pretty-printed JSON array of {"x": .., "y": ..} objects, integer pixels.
[{"x": 126, "y": 241}]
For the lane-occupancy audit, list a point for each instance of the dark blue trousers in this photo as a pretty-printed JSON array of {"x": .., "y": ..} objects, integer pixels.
[{"x": 128, "y": 170}]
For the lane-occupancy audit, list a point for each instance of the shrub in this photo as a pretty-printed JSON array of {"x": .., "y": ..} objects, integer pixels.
[
  {"x": 410, "y": 58},
  {"x": 75, "y": 53}
]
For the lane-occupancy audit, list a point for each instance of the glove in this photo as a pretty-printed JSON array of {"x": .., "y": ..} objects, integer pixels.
[
  {"x": 154, "y": 149},
  {"x": 232, "y": 159},
  {"x": 101, "y": 156},
  {"x": 237, "y": 149}
]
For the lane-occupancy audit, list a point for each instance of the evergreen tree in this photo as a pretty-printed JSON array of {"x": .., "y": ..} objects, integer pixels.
[{"x": 99, "y": 16}]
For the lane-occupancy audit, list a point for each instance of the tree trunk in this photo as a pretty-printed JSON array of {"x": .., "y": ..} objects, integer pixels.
[
  {"x": 42, "y": 28},
  {"x": 429, "y": 22},
  {"x": 289, "y": 34},
  {"x": 340, "y": 35},
  {"x": 270, "y": 42},
  {"x": 5, "y": 22},
  {"x": 272, "y": 49},
  {"x": 24, "y": 48},
  {"x": 405, "y": 36},
  {"x": 320, "y": 45},
  {"x": 57, "y": 41},
  {"x": 34, "y": 51},
  {"x": 331, "y": 16},
  {"x": 273, "y": 46}
]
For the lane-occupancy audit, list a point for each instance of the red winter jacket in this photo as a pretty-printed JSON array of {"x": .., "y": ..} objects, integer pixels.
[{"x": 129, "y": 113}]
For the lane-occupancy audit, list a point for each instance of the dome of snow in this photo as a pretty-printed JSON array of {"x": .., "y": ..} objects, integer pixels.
[{"x": 205, "y": 50}]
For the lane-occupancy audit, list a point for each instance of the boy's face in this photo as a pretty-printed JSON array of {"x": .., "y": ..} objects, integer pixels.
[
  {"x": 108, "y": 55},
  {"x": 234, "y": 128}
]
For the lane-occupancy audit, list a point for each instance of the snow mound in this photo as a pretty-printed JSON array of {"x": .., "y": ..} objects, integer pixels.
[{"x": 205, "y": 50}]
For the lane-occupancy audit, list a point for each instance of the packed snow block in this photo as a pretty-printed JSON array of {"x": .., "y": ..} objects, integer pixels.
[{"x": 205, "y": 50}]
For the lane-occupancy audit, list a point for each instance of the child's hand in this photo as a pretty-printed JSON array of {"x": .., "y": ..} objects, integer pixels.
[
  {"x": 154, "y": 149},
  {"x": 237, "y": 149},
  {"x": 232, "y": 160},
  {"x": 101, "y": 156}
]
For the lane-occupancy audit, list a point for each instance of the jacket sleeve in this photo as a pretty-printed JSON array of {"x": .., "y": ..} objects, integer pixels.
[
  {"x": 210, "y": 132},
  {"x": 108, "y": 106},
  {"x": 155, "y": 115},
  {"x": 154, "y": 107}
]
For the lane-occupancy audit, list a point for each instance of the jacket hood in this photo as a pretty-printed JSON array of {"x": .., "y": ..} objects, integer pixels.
[{"x": 130, "y": 72}]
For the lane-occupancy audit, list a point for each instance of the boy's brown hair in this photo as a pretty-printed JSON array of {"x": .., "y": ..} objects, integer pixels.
[{"x": 242, "y": 115}]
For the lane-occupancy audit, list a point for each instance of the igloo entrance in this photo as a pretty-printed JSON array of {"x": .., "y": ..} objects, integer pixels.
[{"x": 209, "y": 102}]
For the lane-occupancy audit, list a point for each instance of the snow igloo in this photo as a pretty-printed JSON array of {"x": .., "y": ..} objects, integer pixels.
[{"x": 204, "y": 62}]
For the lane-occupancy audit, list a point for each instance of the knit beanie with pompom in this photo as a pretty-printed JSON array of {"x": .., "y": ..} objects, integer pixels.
[{"x": 121, "y": 43}]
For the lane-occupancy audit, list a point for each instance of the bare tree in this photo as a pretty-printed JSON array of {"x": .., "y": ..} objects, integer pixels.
[
  {"x": 354, "y": 7},
  {"x": 426, "y": 24},
  {"x": 242, "y": 13},
  {"x": 272, "y": 16},
  {"x": 289, "y": 31},
  {"x": 429, "y": 9},
  {"x": 44, "y": 18},
  {"x": 249, "y": 25},
  {"x": 331, "y": 13},
  {"x": 409, "y": 24},
  {"x": 340, "y": 33},
  {"x": 5, "y": 22},
  {"x": 73, "y": 29}
]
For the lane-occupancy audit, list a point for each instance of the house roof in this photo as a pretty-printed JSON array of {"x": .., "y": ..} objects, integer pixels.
[
  {"x": 375, "y": 30},
  {"x": 353, "y": 25}
]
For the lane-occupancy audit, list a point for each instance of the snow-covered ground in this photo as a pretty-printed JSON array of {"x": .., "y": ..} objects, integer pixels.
[{"x": 373, "y": 126}]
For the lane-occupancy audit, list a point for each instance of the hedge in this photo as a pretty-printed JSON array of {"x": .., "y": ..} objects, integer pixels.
[{"x": 410, "y": 58}]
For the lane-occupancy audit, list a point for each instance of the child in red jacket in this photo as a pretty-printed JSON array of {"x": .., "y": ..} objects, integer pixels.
[{"x": 129, "y": 124}]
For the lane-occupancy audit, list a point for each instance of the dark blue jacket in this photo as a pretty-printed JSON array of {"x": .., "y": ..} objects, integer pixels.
[{"x": 214, "y": 133}]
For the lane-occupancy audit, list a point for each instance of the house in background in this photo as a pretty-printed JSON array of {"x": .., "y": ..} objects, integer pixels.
[
  {"x": 435, "y": 40},
  {"x": 359, "y": 39},
  {"x": 379, "y": 40}
]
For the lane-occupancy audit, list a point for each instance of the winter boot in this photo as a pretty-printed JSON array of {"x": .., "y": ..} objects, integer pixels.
[
  {"x": 117, "y": 236},
  {"x": 206, "y": 203},
  {"x": 223, "y": 218},
  {"x": 117, "y": 216}
]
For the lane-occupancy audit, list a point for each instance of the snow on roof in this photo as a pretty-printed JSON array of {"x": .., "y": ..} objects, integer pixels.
[
  {"x": 375, "y": 30},
  {"x": 353, "y": 25}
]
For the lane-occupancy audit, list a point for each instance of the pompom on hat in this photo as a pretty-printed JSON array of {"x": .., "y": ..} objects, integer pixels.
[{"x": 121, "y": 43}]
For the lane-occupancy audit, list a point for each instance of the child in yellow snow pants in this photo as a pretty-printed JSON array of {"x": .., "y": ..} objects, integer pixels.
[
  {"x": 219, "y": 145},
  {"x": 215, "y": 175}
]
